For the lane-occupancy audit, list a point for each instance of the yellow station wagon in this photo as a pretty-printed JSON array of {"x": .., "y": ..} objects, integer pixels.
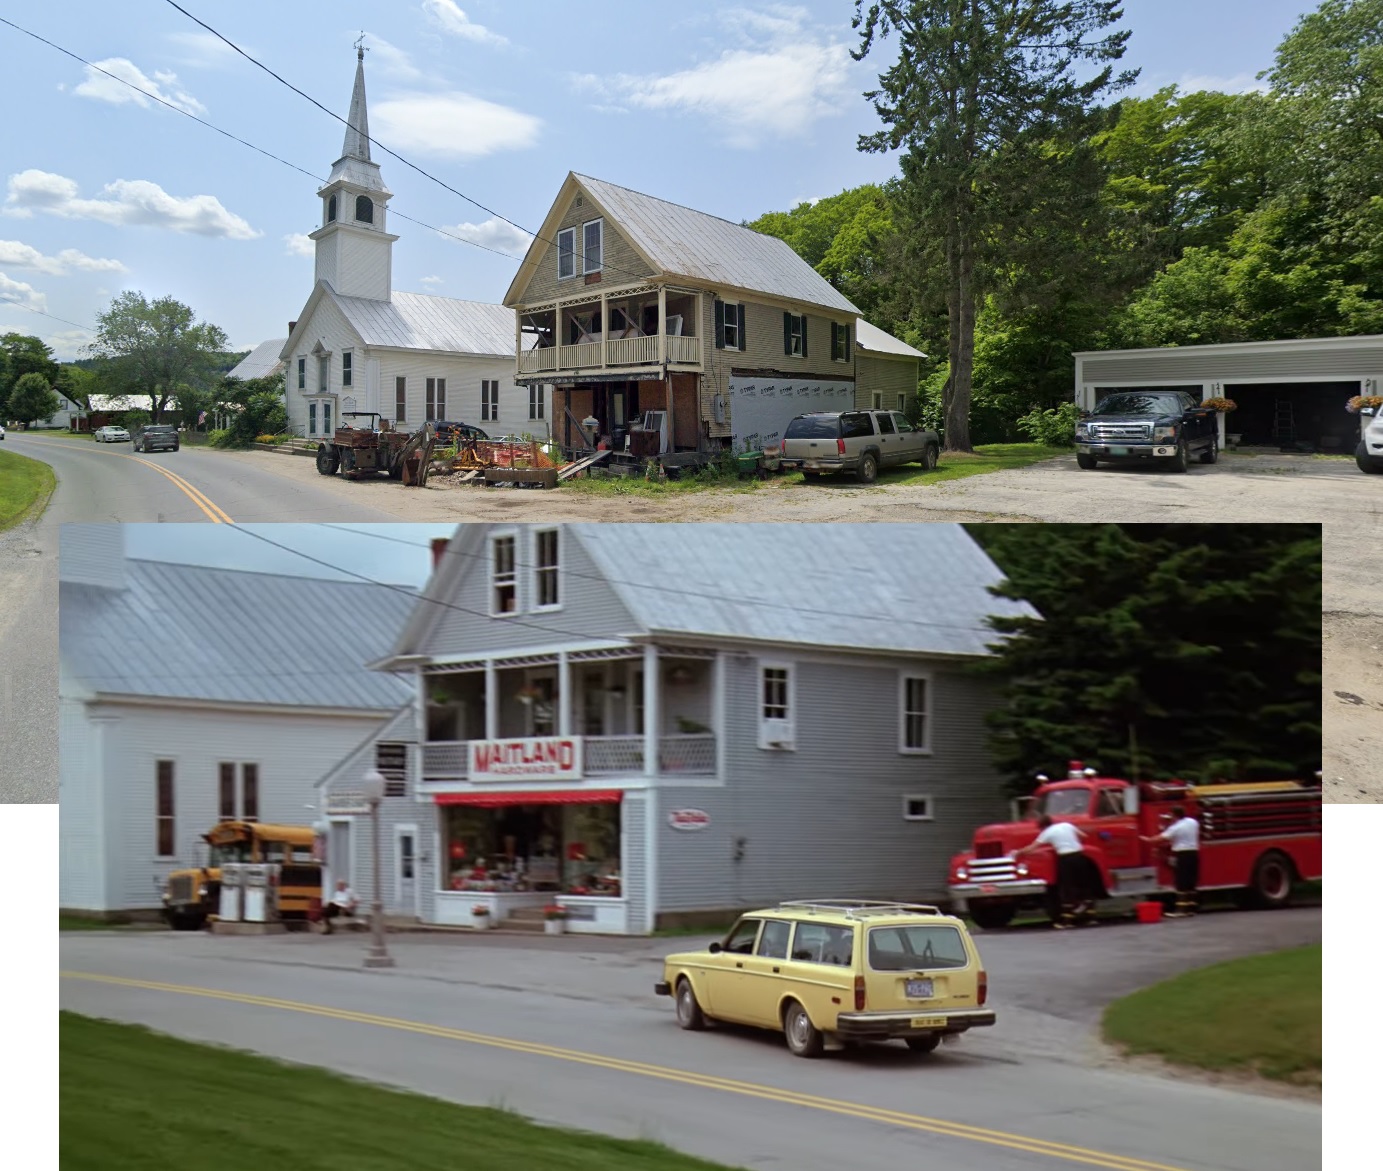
[{"x": 833, "y": 971}]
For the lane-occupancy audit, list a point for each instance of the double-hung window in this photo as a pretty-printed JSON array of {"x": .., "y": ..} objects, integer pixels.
[
  {"x": 776, "y": 715},
  {"x": 840, "y": 342},
  {"x": 566, "y": 253},
  {"x": 545, "y": 569},
  {"x": 346, "y": 364},
  {"x": 400, "y": 400},
  {"x": 164, "y": 810},
  {"x": 302, "y": 373},
  {"x": 489, "y": 400},
  {"x": 592, "y": 234},
  {"x": 504, "y": 593},
  {"x": 535, "y": 401},
  {"x": 247, "y": 807},
  {"x": 729, "y": 325},
  {"x": 914, "y": 716},
  {"x": 795, "y": 335},
  {"x": 436, "y": 405}
]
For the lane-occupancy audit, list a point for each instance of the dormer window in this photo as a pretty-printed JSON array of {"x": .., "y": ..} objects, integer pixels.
[
  {"x": 364, "y": 209},
  {"x": 331, "y": 210}
]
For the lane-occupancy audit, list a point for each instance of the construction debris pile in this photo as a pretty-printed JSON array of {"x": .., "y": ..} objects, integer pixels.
[{"x": 522, "y": 463}]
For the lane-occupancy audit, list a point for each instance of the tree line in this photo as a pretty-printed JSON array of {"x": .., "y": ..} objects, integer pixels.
[{"x": 1037, "y": 213}]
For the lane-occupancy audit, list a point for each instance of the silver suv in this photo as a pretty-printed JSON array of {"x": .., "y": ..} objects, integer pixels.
[
  {"x": 156, "y": 437},
  {"x": 856, "y": 441}
]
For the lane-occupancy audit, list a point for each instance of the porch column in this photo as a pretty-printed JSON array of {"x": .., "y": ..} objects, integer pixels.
[
  {"x": 604, "y": 329},
  {"x": 563, "y": 694},
  {"x": 662, "y": 328},
  {"x": 518, "y": 340},
  {"x": 491, "y": 701},
  {"x": 652, "y": 715}
]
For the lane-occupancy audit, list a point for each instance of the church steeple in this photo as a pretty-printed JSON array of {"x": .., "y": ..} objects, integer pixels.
[{"x": 354, "y": 252}]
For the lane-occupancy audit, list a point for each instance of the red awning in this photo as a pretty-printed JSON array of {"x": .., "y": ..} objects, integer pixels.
[{"x": 541, "y": 797}]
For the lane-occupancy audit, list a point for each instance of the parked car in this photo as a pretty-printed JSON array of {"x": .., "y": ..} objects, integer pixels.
[
  {"x": 856, "y": 441},
  {"x": 1134, "y": 426},
  {"x": 110, "y": 434},
  {"x": 1369, "y": 454},
  {"x": 835, "y": 971},
  {"x": 156, "y": 437},
  {"x": 454, "y": 432},
  {"x": 2, "y": 432}
]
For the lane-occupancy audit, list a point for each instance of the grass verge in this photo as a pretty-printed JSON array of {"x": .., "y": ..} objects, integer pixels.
[
  {"x": 70, "y": 922},
  {"x": 25, "y": 485},
  {"x": 137, "y": 1100},
  {"x": 1260, "y": 1015}
]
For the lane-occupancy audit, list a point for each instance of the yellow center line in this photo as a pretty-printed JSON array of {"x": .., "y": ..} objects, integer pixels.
[
  {"x": 212, "y": 512},
  {"x": 898, "y": 1118}
]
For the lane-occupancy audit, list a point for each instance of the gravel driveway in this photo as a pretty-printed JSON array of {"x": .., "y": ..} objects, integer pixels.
[{"x": 1249, "y": 488}]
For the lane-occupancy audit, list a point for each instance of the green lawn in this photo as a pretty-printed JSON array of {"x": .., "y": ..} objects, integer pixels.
[
  {"x": 955, "y": 465},
  {"x": 132, "y": 1100},
  {"x": 25, "y": 485},
  {"x": 70, "y": 922},
  {"x": 1258, "y": 1015}
]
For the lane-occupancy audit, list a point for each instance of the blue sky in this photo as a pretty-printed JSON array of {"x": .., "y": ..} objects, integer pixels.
[
  {"x": 734, "y": 110},
  {"x": 399, "y": 554}
]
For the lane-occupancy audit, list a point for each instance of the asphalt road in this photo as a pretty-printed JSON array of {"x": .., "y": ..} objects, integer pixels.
[
  {"x": 568, "y": 1032},
  {"x": 109, "y": 483}
]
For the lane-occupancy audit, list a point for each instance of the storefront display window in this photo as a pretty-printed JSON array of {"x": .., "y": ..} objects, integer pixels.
[{"x": 571, "y": 849}]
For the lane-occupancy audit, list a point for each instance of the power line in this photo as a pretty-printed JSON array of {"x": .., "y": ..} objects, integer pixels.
[
  {"x": 235, "y": 138},
  {"x": 394, "y": 154},
  {"x": 55, "y": 317}
]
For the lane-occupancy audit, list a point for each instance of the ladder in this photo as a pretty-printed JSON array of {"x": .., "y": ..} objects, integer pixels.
[{"x": 1284, "y": 426}]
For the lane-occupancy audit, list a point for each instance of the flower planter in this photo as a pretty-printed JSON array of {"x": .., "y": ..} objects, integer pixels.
[
  {"x": 555, "y": 926},
  {"x": 482, "y": 922}
]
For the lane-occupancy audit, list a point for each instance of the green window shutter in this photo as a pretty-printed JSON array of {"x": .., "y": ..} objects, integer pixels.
[
  {"x": 804, "y": 335},
  {"x": 845, "y": 337},
  {"x": 720, "y": 324},
  {"x": 787, "y": 333},
  {"x": 739, "y": 312}
]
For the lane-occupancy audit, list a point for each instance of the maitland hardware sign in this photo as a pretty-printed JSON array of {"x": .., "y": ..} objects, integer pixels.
[{"x": 556, "y": 757}]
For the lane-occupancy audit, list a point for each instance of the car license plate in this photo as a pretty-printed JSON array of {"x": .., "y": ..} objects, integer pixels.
[
  {"x": 988, "y": 888},
  {"x": 920, "y": 989},
  {"x": 1118, "y": 451},
  {"x": 929, "y": 1022}
]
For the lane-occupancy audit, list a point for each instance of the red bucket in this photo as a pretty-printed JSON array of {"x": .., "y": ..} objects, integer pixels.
[{"x": 1149, "y": 912}]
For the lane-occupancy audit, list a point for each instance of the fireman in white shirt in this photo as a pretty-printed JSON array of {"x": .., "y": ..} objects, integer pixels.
[
  {"x": 1183, "y": 836},
  {"x": 1072, "y": 888}
]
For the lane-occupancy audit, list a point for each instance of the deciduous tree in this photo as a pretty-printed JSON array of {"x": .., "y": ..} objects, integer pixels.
[
  {"x": 32, "y": 399},
  {"x": 22, "y": 354}
]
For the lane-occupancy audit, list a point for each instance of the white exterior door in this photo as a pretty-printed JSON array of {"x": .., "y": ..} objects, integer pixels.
[
  {"x": 406, "y": 869},
  {"x": 340, "y": 863}
]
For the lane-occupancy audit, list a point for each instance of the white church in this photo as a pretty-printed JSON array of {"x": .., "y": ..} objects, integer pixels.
[{"x": 358, "y": 345}]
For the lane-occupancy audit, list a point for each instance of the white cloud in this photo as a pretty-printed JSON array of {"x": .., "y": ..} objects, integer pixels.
[
  {"x": 163, "y": 85},
  {"x": 431, "y": 280},
  {"x": 1148, "y": 84},
  {"x": 204, "y": 49},
  {"x": 127, "y": 202},
  {"x": 69, "y": 344},
  {"x": 393, "y": 61},
  {"x": 452, "y": 125},
  {"x": 450, "y": 19},
  {"x": 787, "y": 79},
  {"x": 299, "y": 244},
  {"x": 494, "y": 233},
  {"x": 18, "y": 255},
  {"x": 18, "y": 293}
]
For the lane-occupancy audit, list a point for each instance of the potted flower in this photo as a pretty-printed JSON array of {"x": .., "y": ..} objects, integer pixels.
[
  {"x": 1223, "y": 405},
  {"x": 481, "y": 914},
  {"x": 554, "y": 918}
]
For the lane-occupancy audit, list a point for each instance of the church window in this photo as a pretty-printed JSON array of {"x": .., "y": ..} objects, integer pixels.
[
  {"x": 302, "y": 373},
  {"x": 331, "y": 209},
  {"x": 400, "y": 400},
  {"x": 346, "y": 368},
  {"x": 364, "y": 209},
  {"x": 323, "y": 374}
]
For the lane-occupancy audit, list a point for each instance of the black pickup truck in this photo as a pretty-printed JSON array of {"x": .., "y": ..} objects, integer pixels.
[{"x": 1133, "y": 426}]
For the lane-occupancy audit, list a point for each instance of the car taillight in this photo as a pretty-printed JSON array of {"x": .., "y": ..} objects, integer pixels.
[
  {"x": 984, "y": 987},
  {"x": 840, "y": 446},
  {"x": 859, "y": 993}
]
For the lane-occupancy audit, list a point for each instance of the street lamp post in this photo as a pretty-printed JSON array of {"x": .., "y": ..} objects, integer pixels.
[{"x": 373, "y": 792}]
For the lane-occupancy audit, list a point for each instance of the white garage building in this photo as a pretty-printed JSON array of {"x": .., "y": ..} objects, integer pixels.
[{"x": 1290, "y": 394}]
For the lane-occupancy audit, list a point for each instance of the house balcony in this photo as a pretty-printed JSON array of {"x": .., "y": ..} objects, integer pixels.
[
  {"x": 679, "y": 755},
  {"x": 611, "y": 334}
]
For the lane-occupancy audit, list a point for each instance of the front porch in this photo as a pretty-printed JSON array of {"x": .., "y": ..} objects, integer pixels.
[{"x": 621, "y": 713}]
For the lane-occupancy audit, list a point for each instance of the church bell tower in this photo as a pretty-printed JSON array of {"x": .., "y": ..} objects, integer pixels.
[{"x": 354, "y": 252}]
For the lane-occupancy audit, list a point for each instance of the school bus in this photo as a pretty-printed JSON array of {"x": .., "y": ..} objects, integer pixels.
[{"x": 191, "y": 896}]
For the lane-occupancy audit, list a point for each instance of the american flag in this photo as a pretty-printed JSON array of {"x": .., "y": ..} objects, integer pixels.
[{"x": 201, "y": 418}]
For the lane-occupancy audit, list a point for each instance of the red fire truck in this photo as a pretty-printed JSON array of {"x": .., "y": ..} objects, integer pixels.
[{"x": 1256, "y": 839}]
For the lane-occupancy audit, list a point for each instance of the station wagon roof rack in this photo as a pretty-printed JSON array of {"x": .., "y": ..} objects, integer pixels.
[{"x": 857, "y": 907}]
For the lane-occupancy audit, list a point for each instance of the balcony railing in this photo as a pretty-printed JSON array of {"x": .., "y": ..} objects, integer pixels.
[
  {"x": 682, "y": 755},
  {"x": 446, "y": 759},
  {"x": 620, "y": 351},
  {"x": 630, "y": 351},
  {"x": 685, "y": 350}
]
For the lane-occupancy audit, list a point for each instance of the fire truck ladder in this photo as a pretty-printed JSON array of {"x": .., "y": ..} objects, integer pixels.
[{"x": 1254, "y": 815}]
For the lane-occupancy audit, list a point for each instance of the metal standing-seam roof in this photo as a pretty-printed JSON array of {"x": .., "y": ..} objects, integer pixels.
[
  {"x": 911, "y": 588},
  {"x": 416, "y": 321},
  {"x": 262, "y": 361},
  {"x": 874, "y": 340},
  {"x": 231, "y": 636},
  {"x": 702, "y": 247}
]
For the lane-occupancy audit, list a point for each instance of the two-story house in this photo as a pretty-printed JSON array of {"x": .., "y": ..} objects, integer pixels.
[
  {"x": 628, "y": 305},
  {"x": 359, "y": 345},
  {"x": 647, "y": 722}
]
